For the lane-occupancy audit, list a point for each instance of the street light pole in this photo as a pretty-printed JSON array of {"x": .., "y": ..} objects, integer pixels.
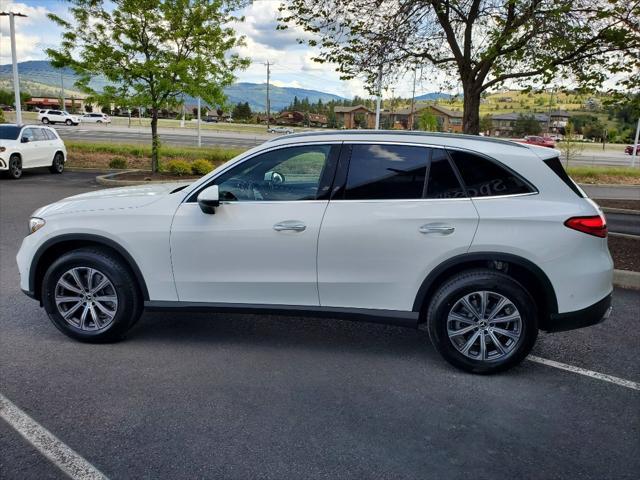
[
  {"x": 199, "y": 138},
  {"x": 634, "y": 150},
  {"x": 14, "y": 61}
]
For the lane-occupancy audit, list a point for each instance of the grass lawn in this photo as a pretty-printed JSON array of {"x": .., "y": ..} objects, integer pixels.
[{"x": 605, "y": 175}]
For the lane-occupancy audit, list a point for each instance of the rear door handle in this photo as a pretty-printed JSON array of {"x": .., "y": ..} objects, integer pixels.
[
  {"x": 440, "y": 228},
  {"x": 290, "y": 225}
]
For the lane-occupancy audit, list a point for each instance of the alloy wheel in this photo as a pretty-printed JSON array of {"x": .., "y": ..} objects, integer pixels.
[
  {"x": 484, "y": 325},
  {"x": 86, "y": 298}
]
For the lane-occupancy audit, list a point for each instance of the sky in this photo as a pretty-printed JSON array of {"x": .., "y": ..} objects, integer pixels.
[{"x": 292, "y": 62}]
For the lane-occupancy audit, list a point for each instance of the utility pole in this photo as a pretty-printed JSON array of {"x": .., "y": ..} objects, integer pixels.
[
  {"x": 378, "y": 98},
  {"x": 199, "y": 138},
  {"x": 268, "y": 104},
  {"x": 634, "y": 150},
  {"x": 549, "y": 112},
  {"x": 413, "y": 100},
  {"x": 14, "y": 61},
  {"x": 62, "y": 92}
]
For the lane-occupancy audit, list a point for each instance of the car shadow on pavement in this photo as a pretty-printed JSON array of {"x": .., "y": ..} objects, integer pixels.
[{"x": 281, "y": 332}]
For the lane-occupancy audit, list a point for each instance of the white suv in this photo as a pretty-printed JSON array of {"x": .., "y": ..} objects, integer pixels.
[
  {"x": 481, "y": 241},
  {"x": 30, "y": 146},
  {"x": 58, "y": 116}
]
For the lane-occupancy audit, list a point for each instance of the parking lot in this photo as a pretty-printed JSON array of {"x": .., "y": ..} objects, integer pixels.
[{"x": 251, "y": 396}]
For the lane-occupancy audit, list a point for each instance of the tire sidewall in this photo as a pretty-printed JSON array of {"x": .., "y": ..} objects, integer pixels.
[
  {"x": 68, "y": 122},
  {"x": 467, "y": 283},
  {"x": 45, "y": 121},
  {"x": 58, "y": 163},
  {"x": 123, "y": 282},
  {"x": 15, "y": 173}
]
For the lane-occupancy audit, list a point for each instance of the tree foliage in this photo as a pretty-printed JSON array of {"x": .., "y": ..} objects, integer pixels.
[
  {"x": 526, "y": 125},
  {"x": 151, "y": 51},
  {"x": 481, "y": 43},
  {"x": 242, "y": 111}
]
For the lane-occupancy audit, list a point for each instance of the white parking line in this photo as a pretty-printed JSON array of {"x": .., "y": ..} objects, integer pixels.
[
  {"x": 583, "y": 371},
  {"x": 48, "y": 444}
]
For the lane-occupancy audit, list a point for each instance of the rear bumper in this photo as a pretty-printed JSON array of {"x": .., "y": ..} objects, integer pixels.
[{"x": 596, "y": 313}]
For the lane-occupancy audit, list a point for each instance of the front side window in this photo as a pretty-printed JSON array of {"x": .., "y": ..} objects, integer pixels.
[
  {"x": 29, "y": 134},
  {"x": 484, "y": 178},
  {"x": 285, "y": 174},
  {"x": 382, "y": 172}
]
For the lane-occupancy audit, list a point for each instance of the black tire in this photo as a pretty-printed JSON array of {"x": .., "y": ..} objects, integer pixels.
[
  {"x": 466, "y": 283},
  {"x": 15, "y": 167},
  {"x": 57, "y": 166},
  {"x": 68, "y": 123},
  {"x": 45, "y": 120},
  {"x": 129, "y": 299}
]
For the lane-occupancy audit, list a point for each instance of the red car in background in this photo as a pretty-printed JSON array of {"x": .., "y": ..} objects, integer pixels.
[
  {"x": 629, "y": 149},
  {"x": 541, "y": 141}
]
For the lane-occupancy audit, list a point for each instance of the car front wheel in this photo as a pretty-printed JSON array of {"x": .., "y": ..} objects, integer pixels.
[
  {"x": 57, "y": 166},
  {"x": 482, "y": 321},
  {"x": 90, "y": 295},
  {"x": 68, "y": 122},
  {"x": 15, "y": 167}
]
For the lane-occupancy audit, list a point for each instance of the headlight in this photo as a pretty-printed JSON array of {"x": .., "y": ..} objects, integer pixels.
[{"x": 35, "y": 224}]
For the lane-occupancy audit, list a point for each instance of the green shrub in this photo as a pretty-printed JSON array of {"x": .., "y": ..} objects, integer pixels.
[
  {"x": 118, "y": 162},
  {"x": 178, "y": 167},
  {"x": 201, "y": 167}
]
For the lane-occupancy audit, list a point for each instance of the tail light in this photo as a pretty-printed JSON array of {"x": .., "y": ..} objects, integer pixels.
[{"x": 594, "y": 225}]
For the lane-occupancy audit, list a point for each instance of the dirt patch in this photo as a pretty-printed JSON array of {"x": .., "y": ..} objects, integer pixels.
[
  {"x": 627, "y": 204},
  {"x": 101, "y": 160},
  {"x": 625, "y": 252},
  {"x": 148, "y": 176}
]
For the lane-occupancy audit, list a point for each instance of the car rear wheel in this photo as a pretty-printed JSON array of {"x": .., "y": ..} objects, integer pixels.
[
  {"x": 482, "y": 321},
  {"x": 45, "y": 120},
  {"x": 57, "y": 166},
  {"x": 68, "y": 122},
  {"x": 91, "y": 295},
  {"x": 15, "y": 167}
]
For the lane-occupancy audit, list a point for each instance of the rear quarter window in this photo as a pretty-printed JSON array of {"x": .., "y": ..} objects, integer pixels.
[
  {"x": 555, "y": 165},
  {"x": 485, "y": 178}
]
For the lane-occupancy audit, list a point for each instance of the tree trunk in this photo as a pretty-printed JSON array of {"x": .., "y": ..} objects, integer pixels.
[
  {"x": 155, "y": 141},
  {"x": 471, "y": 111}
]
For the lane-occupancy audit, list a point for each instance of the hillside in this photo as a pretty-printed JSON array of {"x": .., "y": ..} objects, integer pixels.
[{"x": 40, "y": 78}]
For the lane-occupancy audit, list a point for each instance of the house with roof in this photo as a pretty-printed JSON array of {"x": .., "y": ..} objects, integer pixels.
[
  {"x": 448, "y": 120},
  {"x": 302, "y": 119},
  {"x": 357, "y": 116},
  {"x": 502, "y": 124}
]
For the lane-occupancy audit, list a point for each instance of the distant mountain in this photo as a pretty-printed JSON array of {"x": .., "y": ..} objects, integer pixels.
[
  {"x": 434, "y": 96},
  {"x": 40, "y": 78}
]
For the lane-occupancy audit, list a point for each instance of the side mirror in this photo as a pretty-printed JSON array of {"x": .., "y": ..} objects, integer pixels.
[
  {"x": 209, "y": 199},
  {"x": 24, "y": 140}
]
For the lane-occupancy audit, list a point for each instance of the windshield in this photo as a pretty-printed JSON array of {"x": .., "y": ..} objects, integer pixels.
[{"x": 9, "y": 132}]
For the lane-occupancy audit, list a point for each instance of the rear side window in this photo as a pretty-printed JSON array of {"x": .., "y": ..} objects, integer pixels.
[
  {"x": 484, "y": 178},
  {"x": 385, "y": 172},
  {"x": 555, "y": 165},
  {"x": 443, "y": 182},
  {"x": 50, "y": 135}
]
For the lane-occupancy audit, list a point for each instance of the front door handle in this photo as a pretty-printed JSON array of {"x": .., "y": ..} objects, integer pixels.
[
  {"x": 440, "y": 228},
  {"x": 290, "y": 225}
]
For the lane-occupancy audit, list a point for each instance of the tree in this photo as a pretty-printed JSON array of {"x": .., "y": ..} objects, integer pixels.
[
  {"x": 526, "y": 125},
  {"x": 486, "y": 124},
  {"x": 570, "y": 146},
  {"x": 152, "y": 51},
  {"x": 428, "y": 122},
  {"x": 481, "y": 43},
  {"x": 242, "y": 111}
]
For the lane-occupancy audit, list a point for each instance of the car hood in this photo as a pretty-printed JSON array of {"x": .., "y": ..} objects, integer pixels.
[{"x": 110, "y": 199}]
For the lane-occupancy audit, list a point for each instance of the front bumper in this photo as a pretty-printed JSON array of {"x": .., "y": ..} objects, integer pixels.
[{"x": 596, "y": 313}]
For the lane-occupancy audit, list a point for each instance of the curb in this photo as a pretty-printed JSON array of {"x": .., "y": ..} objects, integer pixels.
[
  {"x": 626, "y": 279},
  {"x": 625, "y": 211},
  {"x": 90, "y": 170},
  {"x": 108, "y": 180}
]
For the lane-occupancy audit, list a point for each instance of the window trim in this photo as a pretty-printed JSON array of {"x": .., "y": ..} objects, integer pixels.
[{"x": 192, "y": 196}]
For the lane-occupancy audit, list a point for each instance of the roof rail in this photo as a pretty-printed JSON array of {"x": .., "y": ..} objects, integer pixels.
[{"x": 400, "y": 133}]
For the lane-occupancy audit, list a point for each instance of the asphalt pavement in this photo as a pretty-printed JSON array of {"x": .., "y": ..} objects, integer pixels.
[{"x": 258, "y": 396}]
